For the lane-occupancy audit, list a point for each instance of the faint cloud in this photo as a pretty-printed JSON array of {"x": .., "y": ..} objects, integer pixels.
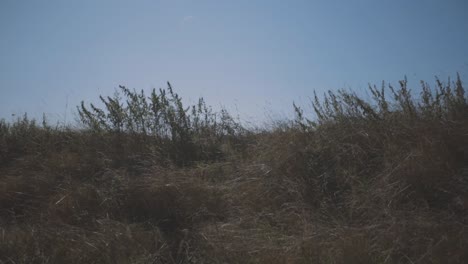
[{"x": 186, "y": 20}]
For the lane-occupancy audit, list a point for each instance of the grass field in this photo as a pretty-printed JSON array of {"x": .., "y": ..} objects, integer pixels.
[{"x": 146, "y": 179}]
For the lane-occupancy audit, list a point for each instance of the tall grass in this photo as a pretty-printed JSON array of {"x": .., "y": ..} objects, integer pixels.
[
  {"x": 160, "y": 124},
  {"x": 150, "y": 180}
]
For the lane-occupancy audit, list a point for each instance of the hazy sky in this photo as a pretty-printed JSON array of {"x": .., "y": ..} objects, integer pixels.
[{"x": 256, "y": 56}]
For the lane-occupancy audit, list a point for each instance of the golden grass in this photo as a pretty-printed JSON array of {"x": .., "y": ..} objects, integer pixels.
[{"x": 384, "y": 181}]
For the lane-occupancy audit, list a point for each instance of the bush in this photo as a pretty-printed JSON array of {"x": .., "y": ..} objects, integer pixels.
[{"x": 161, "y": 125}]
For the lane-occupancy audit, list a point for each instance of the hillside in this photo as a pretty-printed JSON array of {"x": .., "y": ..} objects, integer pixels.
[{"x": 146, "y": 179}]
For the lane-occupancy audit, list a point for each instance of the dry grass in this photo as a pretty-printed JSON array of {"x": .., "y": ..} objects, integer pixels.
[{"x": 381, "y": 181}]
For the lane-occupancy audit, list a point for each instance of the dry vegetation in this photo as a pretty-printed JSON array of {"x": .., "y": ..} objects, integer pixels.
[{"x": 146, "y": 180}]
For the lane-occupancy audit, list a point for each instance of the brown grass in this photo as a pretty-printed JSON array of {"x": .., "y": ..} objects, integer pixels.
[{"x": 367, "y": 181}]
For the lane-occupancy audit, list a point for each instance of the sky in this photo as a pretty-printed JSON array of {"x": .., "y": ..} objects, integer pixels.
[{"x": 253, "y": 57}]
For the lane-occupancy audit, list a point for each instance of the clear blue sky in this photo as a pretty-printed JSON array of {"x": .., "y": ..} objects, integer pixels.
[{"x": 256, "y": 56}]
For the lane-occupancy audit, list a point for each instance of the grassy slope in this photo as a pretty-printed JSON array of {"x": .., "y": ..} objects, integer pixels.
[{"x": 384, "y": 181}]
